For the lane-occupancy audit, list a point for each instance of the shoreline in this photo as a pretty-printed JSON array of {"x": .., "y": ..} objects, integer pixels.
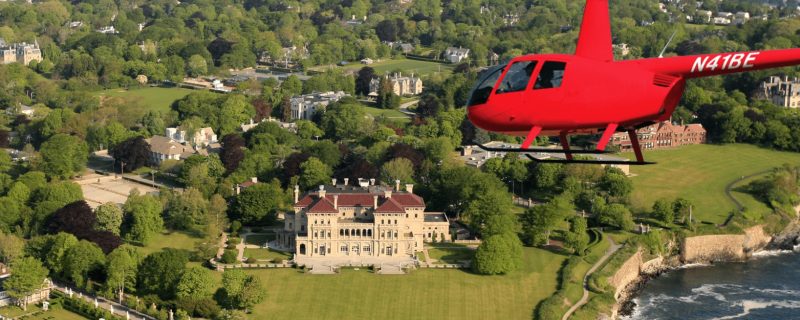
[{"x": 787, "y": 241}]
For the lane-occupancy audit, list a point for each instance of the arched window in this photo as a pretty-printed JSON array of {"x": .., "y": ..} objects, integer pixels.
[
  {"x": 303, "y": 249},
  {"x": 315, "y": 234},
  {"x": 395, "y": 221},
  {"x": 358, "y": 232},
  {"x": 369, "y": 232},
  {"x": 347, "y": 232},
  {"x": 341, "y": 232}
]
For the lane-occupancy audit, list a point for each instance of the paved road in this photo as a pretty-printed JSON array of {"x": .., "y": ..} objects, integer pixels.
[
  {"x": 119, "y": 310},
  {"x": 404, "y": 108},
  {"x": 613, "y": 248}
]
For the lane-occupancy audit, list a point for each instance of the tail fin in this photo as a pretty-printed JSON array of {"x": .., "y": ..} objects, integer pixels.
[
  {"x": 594, "y": 40},
  {"x": 707, "y": 65}
]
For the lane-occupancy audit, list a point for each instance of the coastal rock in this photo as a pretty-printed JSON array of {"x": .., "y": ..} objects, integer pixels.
[{"x": 786, "y": 239}]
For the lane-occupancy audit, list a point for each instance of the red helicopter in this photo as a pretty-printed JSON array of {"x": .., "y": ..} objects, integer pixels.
[{"x": 589, "y": 92}]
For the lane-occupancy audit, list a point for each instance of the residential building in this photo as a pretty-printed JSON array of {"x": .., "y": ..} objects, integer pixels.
[
  {"x": 305, "y": 106},
  {"x": 107, "y": 30},
  {"x": 402, "y": 86},
  {"x": 163, "y": 148},
  {"x": 22, "y": 53},
  {"x": 623, "y": 49},
  {"x": 702, "y": 16},
  {"x": 43, "y": 293},
  {"x": 363, "y": 220},
  {"x": 456, "y": 55},
  {"x": 662, "y": 135},
  {"x": 202, "y": 137},
  {"x": 741, "y": 17},
  {"x": 781, "y": 91},
  {"x": 406, "y": 47},
  {"x": 367, "y": 61}
]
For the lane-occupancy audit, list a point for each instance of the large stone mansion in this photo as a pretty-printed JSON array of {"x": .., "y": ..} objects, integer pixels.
[
  {"x": 662, "y": 135},
  {"x": 22, "y": 53},
  {"x": 361, "y": 221}
]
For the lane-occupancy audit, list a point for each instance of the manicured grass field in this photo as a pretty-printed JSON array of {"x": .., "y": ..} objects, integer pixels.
[
  {"x": 423, "y": 294},
  {"x": 175, "y": 239},
  {"x": 388, "y": 113},
  {"x": 266, "y": 254},
  {"x": 451, "y": 253},
  {"x": 406, "y": 66},
  {"x": 155, "y": 98},
  {"x": 700, "y": 174}
]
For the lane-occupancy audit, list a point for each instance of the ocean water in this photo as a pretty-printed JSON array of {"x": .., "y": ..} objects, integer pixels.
[{"x": 766, "y": 287}]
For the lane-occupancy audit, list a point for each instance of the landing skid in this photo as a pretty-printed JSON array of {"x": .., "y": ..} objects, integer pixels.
[
  {"x": 539, "y": 150},
  {"x": 581, "y": 161}
]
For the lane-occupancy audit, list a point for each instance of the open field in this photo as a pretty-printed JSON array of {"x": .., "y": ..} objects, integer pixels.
[
  {"x": 422, "y": 68},
  {"x": 428, "y": 294},
  {"x": 155, "y": 98},
  {"x": 450, "y": 253},
  {"x": 388, "y": 113},
  {"x": 175, "y": 239},
  {"x": 266, "y": 254},
  {"x": 700, "y": 174}
]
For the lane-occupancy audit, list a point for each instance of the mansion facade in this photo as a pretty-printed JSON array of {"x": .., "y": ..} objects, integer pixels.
[
  {"x": 362, "y": 220},
  {"x": 661, "y": 136}
]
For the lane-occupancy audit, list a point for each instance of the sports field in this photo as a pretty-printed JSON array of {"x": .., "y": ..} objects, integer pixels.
[
  {"x": 423, "y": 294},
  {"x": 407, "y": 66},
  {"x": 700, "y": 173},
  {"x": 155, "y": 98}
]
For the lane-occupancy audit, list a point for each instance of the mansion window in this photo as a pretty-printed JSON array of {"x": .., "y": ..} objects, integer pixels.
[
  {"x": 344, "y": 248},
  {"x": 366, "y": 249}
]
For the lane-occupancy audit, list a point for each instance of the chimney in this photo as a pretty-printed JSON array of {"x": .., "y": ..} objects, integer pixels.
[
  {"x": 333, "y": 182},
  {"x": 387, "y": 193},
  {"x": 397, "y": 185},
  {"x": 372, "y": 182},
  {"x": 375, "y": 202},
  {"x": 336, "y": 201},
  {"x": 254, "y": 179},
  {"x": 409, "y": 188},
  {"x": 321, "y": 191},
  {"x": 239, "y": 190},
  {"x": 296, "y": 193},
  {"x": 346, "y": 180}
]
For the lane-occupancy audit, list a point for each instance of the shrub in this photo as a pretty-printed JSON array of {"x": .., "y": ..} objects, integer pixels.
[
  {"x": 251, "y": 260},
  {"x": 229, "y": 257}
]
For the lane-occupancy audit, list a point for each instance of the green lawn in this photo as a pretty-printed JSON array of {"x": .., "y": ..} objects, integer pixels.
[
  {"x": 700, "y": 173},
  {"x": 259, "y": 239},
  {"x": 388, "y": 113},
  {"x": 425, "y": 293},
  {"x": 175, "y": 239},
  {"x": 55, "y": 313},
  {"x": 266, "y": 254},
  {"x": 155, "y": 98},
  {"x": 406, "y": 66},
  {"x": 450, "y": 253}
]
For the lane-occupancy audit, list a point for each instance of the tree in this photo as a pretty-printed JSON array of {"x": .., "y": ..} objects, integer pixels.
[
  {"x": 197, "y": 66},
  {"x": 616, "y": 185},
  {"x": 259, "y": 203},
  {"x": 27, "y": 278},
  {"x": 616, "y": 215},
  {"x": 195, "y": 283},
  {"x": 81, "y": 260},
  {"x": 327, "y": 152},
  {"x": 307, "y": 129},
  {"x": 363, "y": 80},
  {"x": 662, "y": 210},
  {"x": 499, "y": 254},
  {"x": 545, "y": 175},
  {"x": 241, "y": 291},
  {"x": 109, "y": 217},
  {"x": 160, "y": 272},
  {"x": 387, "y": 99},
  {"x": 313, "y": 173},
  {"x": 52, "y": 249},
  {"x": 539, "y": 221},
  {"x": 682, "y": 207},
  {"x": 232, "y": 151},
  {"x": 143, "y": 217},
  {"x": 577, "y": 239},
  {"x": 186, "y": 210},
  {"x": 11, "y": 247},
  {"x": 397, "y": 169},
  {"x": 134, "y": 153},
  {"x": 343, "y": 121},
  {"x": 121, "y": 269},
  {"x": 63, "y": 156}
]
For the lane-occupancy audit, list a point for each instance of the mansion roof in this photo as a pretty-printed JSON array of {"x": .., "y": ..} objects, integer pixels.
[{"x": 334, "y": 197}]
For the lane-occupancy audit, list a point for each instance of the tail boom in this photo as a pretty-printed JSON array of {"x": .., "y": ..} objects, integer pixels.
[{"x": 707, "y": 65}]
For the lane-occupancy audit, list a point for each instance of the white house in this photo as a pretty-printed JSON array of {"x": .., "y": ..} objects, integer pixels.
[{"x": 456, "y": 55}]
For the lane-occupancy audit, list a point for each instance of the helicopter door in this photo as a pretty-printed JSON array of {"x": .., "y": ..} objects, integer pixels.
[
  {"x": 547, "y": 92},
  {"x": 511, "y": 91}
]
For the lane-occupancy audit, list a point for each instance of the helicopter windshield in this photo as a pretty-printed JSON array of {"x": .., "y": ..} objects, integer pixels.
[{"x": 484, "y": 88}]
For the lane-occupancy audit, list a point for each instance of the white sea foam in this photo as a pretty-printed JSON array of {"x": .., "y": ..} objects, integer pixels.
[
  {"x": 750, "y": 305},
  {"x": 694, "y": 265},
  {"x": 771, "y": 253}
]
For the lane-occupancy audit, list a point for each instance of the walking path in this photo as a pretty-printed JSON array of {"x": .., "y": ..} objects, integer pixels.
[
  {"x": 613, "y": 248},
  {"x": 102, "y": 303},
  {"x": 404, "y": 108}
]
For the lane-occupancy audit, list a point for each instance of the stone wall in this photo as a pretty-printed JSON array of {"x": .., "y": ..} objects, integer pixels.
[
  {"x": 724, "y": 247},
  {"x": 627, "y": 273}
]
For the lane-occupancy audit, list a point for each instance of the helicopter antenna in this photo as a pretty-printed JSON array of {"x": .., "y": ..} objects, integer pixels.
[{"x": 661, "y": 55}]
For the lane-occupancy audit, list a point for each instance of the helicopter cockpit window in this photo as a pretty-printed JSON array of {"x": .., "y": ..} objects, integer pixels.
[
  {"x": 551, "y": 75},
  {"x": 482, "y": 91},
  {"x": 517, "y": 77}
]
